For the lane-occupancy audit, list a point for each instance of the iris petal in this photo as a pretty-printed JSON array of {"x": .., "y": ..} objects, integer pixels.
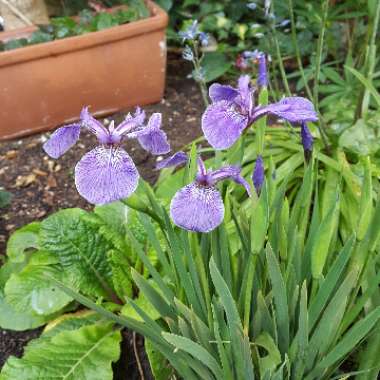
[
  {"x": 230, "y": 172},
  {"x": 62, "y": 140},
  {"x": 93, "y": 125},
  {"x": 222, "y": 124},
  {"x": 294, "y": 109},
  {"x": 218, "y": 92},
  {"x": 104, "y": 175},
  {"x": 131, "y": 122},
  {"x": 152, "y": 138},
  {"x": 197, "y": 208}
]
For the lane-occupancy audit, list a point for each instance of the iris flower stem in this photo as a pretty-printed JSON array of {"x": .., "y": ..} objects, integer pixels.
[
  {"x": 321, "y": 127},
  {"x": 198, "y": 67},
  {"x": 261, "y": 123},
  {"x": 280, "y": 63},
  {"x": 296, "y": 48},
  {"x": 370, "y": 61},
  {"x": 321, "y": 38}
]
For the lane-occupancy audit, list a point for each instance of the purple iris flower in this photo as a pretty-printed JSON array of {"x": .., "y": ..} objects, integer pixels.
[
  {"x": 258, "y": 174},
  {"x": 199, "y": 206},
  {"x": 107, "y": 173},
  {"x": 258, "y": 56},
  {"x": 232, "y": 111}
]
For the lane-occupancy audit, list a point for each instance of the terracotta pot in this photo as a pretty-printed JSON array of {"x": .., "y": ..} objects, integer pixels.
[{"x": 45, "y": 85}]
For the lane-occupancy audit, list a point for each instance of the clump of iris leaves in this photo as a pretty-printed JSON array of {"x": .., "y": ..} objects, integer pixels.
[{"x": 87, "y": 21}]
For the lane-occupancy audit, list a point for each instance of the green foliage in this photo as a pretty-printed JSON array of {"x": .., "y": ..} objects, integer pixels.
[
  {"x": 231, "y": 306},
  {"x": 86, "y": 22},
  {"x": 83, "y": 353}
]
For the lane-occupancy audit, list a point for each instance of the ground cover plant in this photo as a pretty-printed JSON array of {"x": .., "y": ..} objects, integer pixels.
[
  {"x": 87, "y": 21},
  {"x": 257, "y": 259}
]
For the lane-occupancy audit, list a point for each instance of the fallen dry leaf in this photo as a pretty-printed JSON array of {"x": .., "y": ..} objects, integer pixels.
[
  {"x": 40, "y": 172},
  {"x": 25, "y": 180},
  {"x": 11, "y": 154}
]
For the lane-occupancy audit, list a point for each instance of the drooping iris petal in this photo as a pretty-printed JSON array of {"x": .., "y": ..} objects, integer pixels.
[
  {"x": 175, "y": 160},
  {"x": 152, "y": 138},
  {"x": 222, "y": 124},
  {"x": 62, "y": 140},
  {"x": 294, "y": 109},
  {"x": 230, "y": 172},
  {"x": 197, "y": 208},
  {"x": 104, "y": 175},
  {"x": 218, "y": 92},
  {"x": 94, "y": 126}
]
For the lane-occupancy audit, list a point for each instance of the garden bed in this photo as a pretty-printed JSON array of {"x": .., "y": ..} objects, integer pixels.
[{"x": 41, "y": 186}]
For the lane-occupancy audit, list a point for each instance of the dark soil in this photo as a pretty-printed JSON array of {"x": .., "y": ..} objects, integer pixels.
[{"x": 40, "y": 185}]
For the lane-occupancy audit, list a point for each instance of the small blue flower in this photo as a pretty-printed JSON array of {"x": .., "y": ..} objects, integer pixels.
[
  {"x": 190, "y": 33},
  {"x": 204, "y": 38}
]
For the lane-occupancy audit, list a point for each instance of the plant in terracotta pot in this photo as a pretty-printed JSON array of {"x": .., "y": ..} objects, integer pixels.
[{"x": 110, "y": 60}]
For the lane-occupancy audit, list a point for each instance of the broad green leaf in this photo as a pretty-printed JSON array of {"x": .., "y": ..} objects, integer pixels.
[
  {"x": 9, "y": 317},
  {"x": 114, "y": 214},
  {"x": 82, "y": 252},
  {"x": 13, "y": 320},
  {"x": 31, "y": 292},
  {"x": 360, "y": 139},
  {"x": 86, "y": 353},
  {"x": 22, "y": 240},
  {"x": 215, "y": 64},
  {"x": 121, "y": 274}
]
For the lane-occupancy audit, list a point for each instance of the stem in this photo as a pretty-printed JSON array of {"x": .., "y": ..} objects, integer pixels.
[
  {"x": 370, "y": 61},
  {"x": 325, "y": 8},
  {"x": 197, "y": 67},
  {"x": 321, "y": 126},
  {"x": 280, "y": 63},
  {"x": 136, "y": 352},
  {"x": 296, "y": 48}
]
